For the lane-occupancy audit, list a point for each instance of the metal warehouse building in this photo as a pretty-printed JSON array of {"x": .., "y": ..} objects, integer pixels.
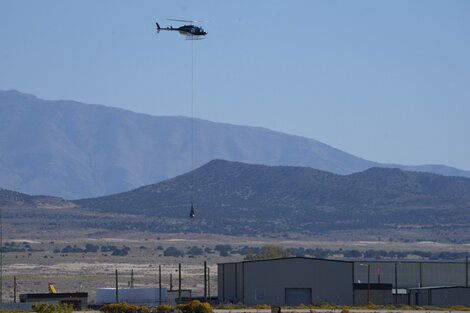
[
  {"x": 440, "y": 296},
  {"x": 286, "y": 281},
  {"x": 412, "y": 274},
  {"x": 301, "y": 280}
]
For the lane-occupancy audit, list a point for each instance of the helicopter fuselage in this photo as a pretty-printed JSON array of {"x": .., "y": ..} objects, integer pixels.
[{"x": 186, "y": 30}]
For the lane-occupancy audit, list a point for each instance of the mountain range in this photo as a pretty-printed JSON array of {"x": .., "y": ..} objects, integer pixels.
[
  {"x": 238, "y": 199},
  {"x": 75, "y": 150},
  {"x": 234, "y": 198}
]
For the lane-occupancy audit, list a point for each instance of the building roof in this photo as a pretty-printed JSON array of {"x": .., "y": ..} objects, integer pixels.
[
  {"x": 289, "y": 258},
  {"x": 59, "y": 295},
  {"x": 438, "y": 287},
  {"x": 354, "y": 261}
]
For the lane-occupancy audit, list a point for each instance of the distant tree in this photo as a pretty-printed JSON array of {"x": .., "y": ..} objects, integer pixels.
[
  {"x": 352, "y": 254},
  {"x": 108, "y": 248},
  {"x": 172, "y": 251},
  {"x": 121, "y": 252},
  {"x": 195, "y": 251},
  {"x": 224, "y": 250},
  {"x": 271, "y": 252},
  {"x": 70, "y": 249},
  {"x": 91, "y": 248}
]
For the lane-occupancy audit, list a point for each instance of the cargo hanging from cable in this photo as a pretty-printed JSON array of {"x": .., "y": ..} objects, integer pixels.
[{"x": 191, "y": 32}]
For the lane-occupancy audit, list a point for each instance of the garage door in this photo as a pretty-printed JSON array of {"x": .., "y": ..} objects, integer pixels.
[{"x": 297, "y": 296}]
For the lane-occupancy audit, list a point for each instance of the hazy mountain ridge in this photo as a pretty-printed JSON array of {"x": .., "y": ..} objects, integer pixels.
[
  {"x": 221, "y": 183},
  {"x": 254, "y": 199},
  {"x": 14, "y": 199},
  {"x": 76, "y": 150}
]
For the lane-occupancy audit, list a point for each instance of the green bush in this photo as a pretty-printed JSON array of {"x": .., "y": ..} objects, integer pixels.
[
  {"x": 195, "y": 306},
  {"x": 459, "y": 308},
  {"x": 164, "y": 308},
  {"x": 52, "y": 308},
  {"x": 124, "y": 307}
]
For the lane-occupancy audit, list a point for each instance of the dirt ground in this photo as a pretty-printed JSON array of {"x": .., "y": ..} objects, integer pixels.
[{"x": 72, "y": 272}]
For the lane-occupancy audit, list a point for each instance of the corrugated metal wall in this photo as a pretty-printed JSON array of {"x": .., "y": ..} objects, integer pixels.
[
  {"x": 412, "y": 274},
  {"x": 265, "y": 282}
]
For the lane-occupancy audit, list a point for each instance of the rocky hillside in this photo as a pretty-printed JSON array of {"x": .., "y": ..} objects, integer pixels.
[{"x": 233, "y": 197}]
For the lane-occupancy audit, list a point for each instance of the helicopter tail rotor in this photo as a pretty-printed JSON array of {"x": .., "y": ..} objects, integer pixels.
[{"x": 158, "y": 28}]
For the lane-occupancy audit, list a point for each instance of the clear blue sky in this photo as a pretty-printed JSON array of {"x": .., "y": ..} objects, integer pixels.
[{"x": 388, "y": 81}]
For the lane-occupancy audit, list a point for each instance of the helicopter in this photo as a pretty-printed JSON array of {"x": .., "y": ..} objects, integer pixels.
[{"x": 192, "y": 32}]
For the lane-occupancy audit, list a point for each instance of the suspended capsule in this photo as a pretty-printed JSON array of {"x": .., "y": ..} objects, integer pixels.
[{"x": 192, "y": 213}]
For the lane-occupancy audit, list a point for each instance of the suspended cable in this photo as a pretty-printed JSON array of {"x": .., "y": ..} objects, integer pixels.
[{"x": 192, "y": 213}]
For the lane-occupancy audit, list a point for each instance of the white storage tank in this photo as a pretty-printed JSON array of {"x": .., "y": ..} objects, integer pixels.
[{"x": 137, "y": 296}]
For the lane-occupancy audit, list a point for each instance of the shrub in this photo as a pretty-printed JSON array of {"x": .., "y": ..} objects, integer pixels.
[
  {"x": 262, "y": 307},
  {"x": 459, "y": 308},
  {"x": 124, "y": 307},
  {"x": 195, "y": 251},
  {"x": 52, "y": 308},
  {"x": 164, "y": 308},
  {"x": 70, "y": 249},
  {"x": 223, "y": 249},
  {"x": 91, "y": 248},
  {"x": 172, "y": 251},
  {"x": 121, "y": 252},
  {"x": 195, "y": 306}
]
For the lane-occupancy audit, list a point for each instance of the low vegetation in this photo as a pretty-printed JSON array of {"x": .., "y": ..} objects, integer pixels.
[
  {"x": 195, "y": 306},
  {"x": 124, "y": 307},
  {"x": 248, "y": 252},
  {"x": 52, "y": 308}
]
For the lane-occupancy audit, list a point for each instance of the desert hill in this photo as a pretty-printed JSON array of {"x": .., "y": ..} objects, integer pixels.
[{"x": 233, "y": 197}]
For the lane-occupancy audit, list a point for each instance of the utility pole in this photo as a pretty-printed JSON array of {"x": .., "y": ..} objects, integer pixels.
[
  {"x": 466, "y": 271},
  {"x": 117, "y": 293},
  {"x": 171, "y": 281},
  {"x": 396, "y": 283},
  {"x": 368, "y": 283},
  {"x": 14, "y": 289},
  {"x": 205, "y": 281},
  {"x": 179, "y": 283},
  {"x": 160, "y": 285},
  {"x": 209, "y": 283},
  {"x": 132, "y": 278}
]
